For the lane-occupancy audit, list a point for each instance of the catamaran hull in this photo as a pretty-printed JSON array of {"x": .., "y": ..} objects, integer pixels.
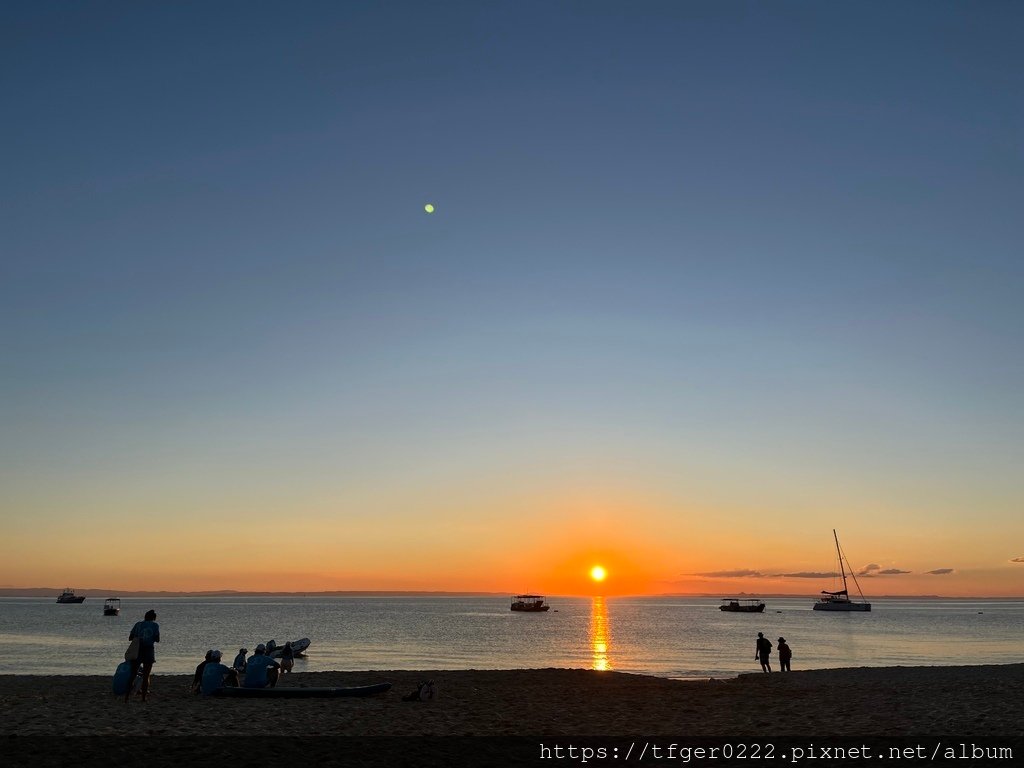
[{"x": 843, "y": 607}]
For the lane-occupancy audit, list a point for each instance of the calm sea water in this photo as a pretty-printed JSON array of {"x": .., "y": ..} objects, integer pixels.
[{"x": 668, "y": 637}]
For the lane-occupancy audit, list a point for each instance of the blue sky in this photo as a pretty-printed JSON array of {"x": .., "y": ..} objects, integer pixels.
[{"x": 734, "y": 252}]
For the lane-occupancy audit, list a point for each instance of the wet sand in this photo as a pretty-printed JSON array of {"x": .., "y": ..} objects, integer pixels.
[{"x": 981, "y": 704}]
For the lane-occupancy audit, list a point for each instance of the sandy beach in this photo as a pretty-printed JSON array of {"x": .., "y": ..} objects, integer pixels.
[{"x": 980, "y": 704}]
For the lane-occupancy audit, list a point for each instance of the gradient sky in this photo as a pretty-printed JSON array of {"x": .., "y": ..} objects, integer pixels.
[{"x": 704, "y": 281}]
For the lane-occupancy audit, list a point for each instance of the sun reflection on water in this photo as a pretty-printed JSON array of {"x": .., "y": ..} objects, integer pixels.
[{"x": 599, "y": 642}]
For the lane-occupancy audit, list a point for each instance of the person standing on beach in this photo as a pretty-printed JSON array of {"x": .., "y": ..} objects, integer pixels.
[
  {"x": 148, "y": 632},
  {"x": 763, "y": 651},
  {"x": 287, "y": 657},
  {"x": 785, "y": 654}
]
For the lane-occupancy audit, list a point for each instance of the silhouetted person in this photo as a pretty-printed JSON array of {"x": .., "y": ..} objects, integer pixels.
[
  {"x": 148, "y": 632},
  {"x": 785, "y": 654},
  {"x": 239, "y": 662},
  {"x": 215, "y": 675},
  {"x": 260, "y": 669},
  {"x": 763, "y": 651},
  {"x": 287, "y": 657},
  {"x": 198, "y": 678}
]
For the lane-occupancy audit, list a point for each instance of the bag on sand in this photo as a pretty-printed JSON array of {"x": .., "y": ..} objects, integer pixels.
[
  {"x": 424, "y": 692},
  {"x": 133, "y": 650},
  {"x": 123, "y": 679}
]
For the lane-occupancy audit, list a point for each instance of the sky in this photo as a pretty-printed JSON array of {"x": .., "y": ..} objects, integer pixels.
[{"x": 703, "y": 282}]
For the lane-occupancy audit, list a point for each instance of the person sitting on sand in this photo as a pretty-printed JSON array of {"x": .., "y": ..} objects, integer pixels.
[
  {"x": 287, "y": 657},
  {"x": 763, "y": 651},
  {"x": 785, "y": 654},
  {"x": 148, "y": 633},
  {"x": 198, "y": 677},
  {"x": 239, "y": 662},
  {"x": 216, "y": 674},
  {"x": 260, "y": 669}
]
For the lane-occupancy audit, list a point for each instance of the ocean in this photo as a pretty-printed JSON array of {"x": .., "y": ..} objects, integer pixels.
[{"x": 675, "y": 637}]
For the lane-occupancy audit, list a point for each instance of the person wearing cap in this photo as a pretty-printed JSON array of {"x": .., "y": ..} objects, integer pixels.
[
  {"x": 763, "y": 651},
  {"x": 785, "y": 654},
  {"x": 215, "y": 674},
  {"x": 260, "y": 669},
  {"x": 239, "y": 662}
]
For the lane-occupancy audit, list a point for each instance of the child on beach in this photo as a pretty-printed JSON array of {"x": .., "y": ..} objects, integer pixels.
[{"x": 785, "y": 654}]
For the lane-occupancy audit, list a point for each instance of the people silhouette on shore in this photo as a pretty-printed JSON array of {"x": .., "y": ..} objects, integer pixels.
[
  {"x": 239, "y": 662},
  {"x": 198, "y": 677},
  {"x": 148, "y": 632},
  {"x": 763, "y": 651},
  {"x": 287, "y": 657},
  {"x": 260, "y": 669},
  {"x": 216, "y": 675},
  {"x": 785, "y": 654}
]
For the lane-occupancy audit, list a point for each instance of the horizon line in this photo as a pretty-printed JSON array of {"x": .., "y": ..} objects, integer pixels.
[{"x": 113, "y": 593}]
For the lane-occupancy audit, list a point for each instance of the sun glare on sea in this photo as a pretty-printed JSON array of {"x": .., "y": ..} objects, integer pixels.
[{"x": 597, "y": 573}]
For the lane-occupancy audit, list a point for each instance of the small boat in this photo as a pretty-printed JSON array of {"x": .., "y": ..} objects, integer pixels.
[
  {"x": 529, "y": 604},
  {"x": 298, "y": 647},
  {"x": 112, "y": 606},
  {"x": 840, "y": 600},
  {"x": 69, "y": 596},
  {"x": 735, "y": 605}
]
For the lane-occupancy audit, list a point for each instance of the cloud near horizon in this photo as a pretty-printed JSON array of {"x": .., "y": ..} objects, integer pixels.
[
  {"x": 1017, "y": 560},
  {"x": 741, "y": 573},
  {"x": 940, "y": 571},
  {"x": 806, "y": 575},
  {"x": 876, "y": 570}
]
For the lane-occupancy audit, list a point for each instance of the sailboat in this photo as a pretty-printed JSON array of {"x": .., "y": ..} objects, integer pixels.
[{"x": 840, "y": 601}]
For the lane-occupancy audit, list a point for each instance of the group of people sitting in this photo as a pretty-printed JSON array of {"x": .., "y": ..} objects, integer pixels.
[{"x": 257, "y": 671}]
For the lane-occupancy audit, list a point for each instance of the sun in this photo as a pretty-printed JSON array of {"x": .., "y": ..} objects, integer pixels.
[{"x": 597, "y": 573}]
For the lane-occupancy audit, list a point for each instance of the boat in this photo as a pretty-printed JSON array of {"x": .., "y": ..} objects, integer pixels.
[
  {"x": 69, "y": 596},
  {"x": 298, "y": 647},
  {"x": 112, "y": 606},
  {"x": 736, "y": 605},
  {"x": 529, "y": 604},
  {"x": 840, "y": 601},
  {"x": 303, "y": 693}
]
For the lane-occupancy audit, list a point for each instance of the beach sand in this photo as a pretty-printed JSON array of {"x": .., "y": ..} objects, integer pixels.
[{"x": 513, "y": 712}]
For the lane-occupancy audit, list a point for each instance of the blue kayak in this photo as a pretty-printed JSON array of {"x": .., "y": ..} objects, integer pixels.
[{"x": 303, "y": 693}]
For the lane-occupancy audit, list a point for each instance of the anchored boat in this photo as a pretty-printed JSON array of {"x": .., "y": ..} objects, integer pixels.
[
  {"x": 69, "y": 596},
  {"x": 840, "y": 601},
  {"x": 112, "y": 606},
  {"x": 529, "y": 603},
  {"x": 735, "y": 605}
]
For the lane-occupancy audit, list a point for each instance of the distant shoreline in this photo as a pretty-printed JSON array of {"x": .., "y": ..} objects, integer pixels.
[{"x": 100, "y": 594}]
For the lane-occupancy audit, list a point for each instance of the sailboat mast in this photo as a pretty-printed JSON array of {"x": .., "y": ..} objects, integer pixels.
[{"x": 839, "y": 556}]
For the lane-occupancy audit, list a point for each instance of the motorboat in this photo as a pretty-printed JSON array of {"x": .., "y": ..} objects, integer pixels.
[
  {"x": 529, "y": 604},
  {"x": 69, "y": 596},
  {"x": 299, "y": 647},
  {"x": 112, "y": 606},
  {"x": 737, "y": 605}
]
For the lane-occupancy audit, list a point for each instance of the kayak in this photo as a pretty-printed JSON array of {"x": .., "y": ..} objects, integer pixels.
[{"x": 303, "y": 693}]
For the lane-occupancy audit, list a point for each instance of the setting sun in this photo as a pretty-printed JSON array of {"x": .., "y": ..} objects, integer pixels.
[{"x": 597, "y": 573}]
